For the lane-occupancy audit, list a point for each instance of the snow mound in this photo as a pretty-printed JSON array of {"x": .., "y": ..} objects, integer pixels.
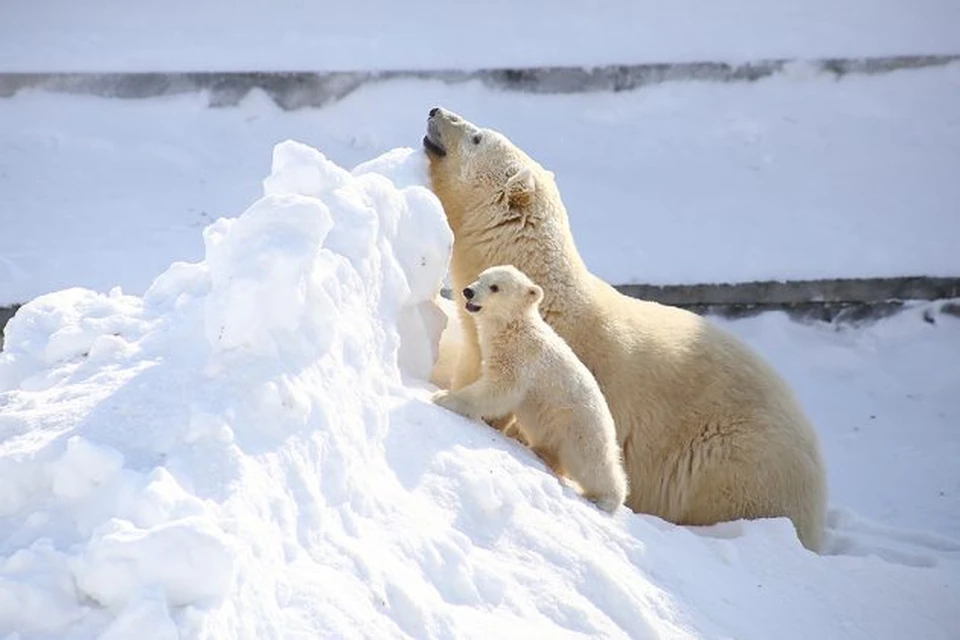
[{"x": 248, "y": 451}]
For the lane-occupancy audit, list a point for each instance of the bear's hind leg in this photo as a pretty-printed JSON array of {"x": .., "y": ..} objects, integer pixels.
[
  {"x": 601, "y": 477},
  {"x": 550, "y": 459}
]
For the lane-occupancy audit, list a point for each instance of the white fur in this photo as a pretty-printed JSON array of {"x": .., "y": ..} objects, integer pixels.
[
  {"x": 709, "y": 432},
  {"x": 527, "y": 369}
]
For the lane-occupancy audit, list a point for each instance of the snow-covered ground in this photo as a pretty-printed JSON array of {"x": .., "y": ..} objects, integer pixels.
[
  {"x": 294, "y": 35},
  {"x": 247, "y": 451},
  {"x": 242, "y": 446},
  {"x": 791, "y": 177}
]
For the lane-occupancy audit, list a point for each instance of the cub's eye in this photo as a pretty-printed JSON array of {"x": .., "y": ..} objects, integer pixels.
[
  {"x": 477, "y": 137},
  {"x": 494, "y": 288}
]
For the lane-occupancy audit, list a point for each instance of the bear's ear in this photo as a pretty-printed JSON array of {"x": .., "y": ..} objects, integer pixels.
[
  {"x": 519, "y": 189},
  {"x": 535, "y": 294}
]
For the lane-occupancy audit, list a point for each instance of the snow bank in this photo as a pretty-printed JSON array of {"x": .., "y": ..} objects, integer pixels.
[
  {"x": 376, "y": 35},
  {"x": 247, "y": 451}
]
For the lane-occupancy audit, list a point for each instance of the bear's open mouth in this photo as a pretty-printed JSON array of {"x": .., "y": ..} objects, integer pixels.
[
  {"x": 433, "y": 147},
  {"x": 431, "y": 141},
  {"x": 472, "y": 308}
]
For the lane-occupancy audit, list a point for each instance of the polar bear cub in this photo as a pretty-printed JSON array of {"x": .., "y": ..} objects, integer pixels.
[{"x": 528, "y": 370}]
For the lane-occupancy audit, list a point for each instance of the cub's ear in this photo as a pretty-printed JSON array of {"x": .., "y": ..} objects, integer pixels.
[
  {"x": 535, "y": 293},
  {"x": 519, "y": 189}
]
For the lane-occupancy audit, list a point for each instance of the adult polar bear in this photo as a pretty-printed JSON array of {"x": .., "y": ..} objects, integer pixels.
[{"x": 709, "y": 431}]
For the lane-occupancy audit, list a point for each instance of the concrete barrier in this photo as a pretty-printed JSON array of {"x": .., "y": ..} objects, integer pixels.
[
  {"x": 5, "y": 314},
  {"x": 842, "y": 301},
  {"x": 294, "y": 90},
  {"x": 837, "y": 300}
]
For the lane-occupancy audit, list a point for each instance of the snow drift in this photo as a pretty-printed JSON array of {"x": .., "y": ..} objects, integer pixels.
[{"x": 247, "y": 452}]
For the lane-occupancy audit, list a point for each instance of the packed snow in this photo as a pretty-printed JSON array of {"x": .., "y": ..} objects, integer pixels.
[
  {"x": 304, "y": 35},
  {"x": 791, "y": 177},
  {"x": 248, "y": 450}
]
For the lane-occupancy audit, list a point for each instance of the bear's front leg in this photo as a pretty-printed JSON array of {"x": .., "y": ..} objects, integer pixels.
[
  {"x": 453, "y": 401},
  {"x": 482, "y": 399},
  {"x": 468, "y": 365}
]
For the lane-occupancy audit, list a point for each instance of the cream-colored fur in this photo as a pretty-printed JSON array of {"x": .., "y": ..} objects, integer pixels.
[
  {"x": 527, "y": 369},
  {"x": 450, "y": 340},
  {"x": 709, "y": 431}
]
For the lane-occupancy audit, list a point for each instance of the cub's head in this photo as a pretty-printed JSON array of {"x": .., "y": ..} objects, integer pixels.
[
  {"x": 475, "y": 169},
  {"x": 502, "y": 291}
]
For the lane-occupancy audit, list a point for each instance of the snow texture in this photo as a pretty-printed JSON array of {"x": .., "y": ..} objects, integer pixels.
[
  {"x": 798, "y": 176},
  {"x": 247, "y": 450},
  {"x": 309, "y": 35}
]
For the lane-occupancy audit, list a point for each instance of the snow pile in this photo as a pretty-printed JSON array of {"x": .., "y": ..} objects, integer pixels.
[
  {"x": 122, "y": 491},
  {"x": 247, "y": 451}
]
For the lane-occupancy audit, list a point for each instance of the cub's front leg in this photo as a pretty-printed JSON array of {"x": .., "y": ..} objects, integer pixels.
[
  {"x": 453, "y": 401},
  {"x": 481, "y": 399}
]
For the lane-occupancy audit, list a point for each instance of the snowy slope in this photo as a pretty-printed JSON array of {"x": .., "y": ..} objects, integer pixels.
[
  {"x": 285, "y": 35},
  {"x": 189, "y": 464},
  {"x": 792, "y": 177}
]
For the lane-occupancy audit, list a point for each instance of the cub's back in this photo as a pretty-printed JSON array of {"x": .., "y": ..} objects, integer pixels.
[{"x": 560, "y": 375}]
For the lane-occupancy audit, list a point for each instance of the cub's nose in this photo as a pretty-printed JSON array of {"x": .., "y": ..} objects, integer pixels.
[
  {"x": 434, "y": 111},
  {"x": 468, "y": 293}
]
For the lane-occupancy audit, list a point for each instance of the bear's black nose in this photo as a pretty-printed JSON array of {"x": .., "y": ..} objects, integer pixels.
[
  {"x": 468, "y": 293},
  {"x": 433, "y": 111}
]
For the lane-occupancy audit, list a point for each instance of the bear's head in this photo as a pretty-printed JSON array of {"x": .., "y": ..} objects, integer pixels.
[
  {"x": 502, "y": 291},
  {"x": 474, "y": 169}
]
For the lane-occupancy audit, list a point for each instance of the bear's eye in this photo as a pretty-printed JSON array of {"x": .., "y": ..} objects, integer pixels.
[
  {"x": 477, "y": 137},
  {"x": 494, "y": 288}
]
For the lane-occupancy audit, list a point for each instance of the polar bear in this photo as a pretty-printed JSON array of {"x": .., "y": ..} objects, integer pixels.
[
  {"x": 709, "y": 432},
  {"x": 528, "y": 370}
]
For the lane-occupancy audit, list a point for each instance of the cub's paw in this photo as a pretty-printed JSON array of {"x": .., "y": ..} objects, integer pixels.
[
  {"x": 608, "y": 504},
  {"x": 451, "y": 402}
]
